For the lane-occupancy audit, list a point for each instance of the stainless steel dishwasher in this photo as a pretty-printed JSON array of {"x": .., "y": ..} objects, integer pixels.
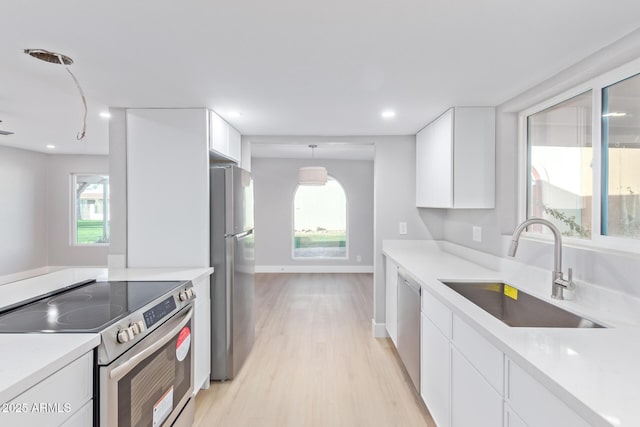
[{"x": 409, "y": 326}]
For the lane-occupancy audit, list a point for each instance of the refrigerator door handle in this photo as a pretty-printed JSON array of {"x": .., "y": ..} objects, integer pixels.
[{"x": 241, "y": 236}]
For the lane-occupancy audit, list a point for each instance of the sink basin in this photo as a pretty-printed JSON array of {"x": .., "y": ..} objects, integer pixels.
[{"x": 517, "y": 308}]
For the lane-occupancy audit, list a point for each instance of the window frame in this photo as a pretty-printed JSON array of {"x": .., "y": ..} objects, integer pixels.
[
  {"x": 595, "y": 85},
  {"x": 293, "y": 228},
  {"x": 73, "y": 216}
]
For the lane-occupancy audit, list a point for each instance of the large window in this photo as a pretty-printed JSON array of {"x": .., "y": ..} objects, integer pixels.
[
  {"x": 621, "y": 159},
  {"x": 320, "y": 221},
  {"x": 583, "y": 161},
  {"x": 560, "y": 156},
  {"x": 90, "y": 209}
]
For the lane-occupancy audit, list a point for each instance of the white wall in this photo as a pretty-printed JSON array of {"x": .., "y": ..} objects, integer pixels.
[
  {"x": 59, "y": 205},
  {"x": 275, "y": 183},
  {"x": 23, "y": 210},
  {"x": 35, "y": 222}
]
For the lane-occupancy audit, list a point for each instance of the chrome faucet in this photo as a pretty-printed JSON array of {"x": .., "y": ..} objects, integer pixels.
[{"x": 558, "y": 283}]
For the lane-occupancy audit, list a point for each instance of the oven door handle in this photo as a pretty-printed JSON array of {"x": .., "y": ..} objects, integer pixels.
[{"x": 122, "y": 370}]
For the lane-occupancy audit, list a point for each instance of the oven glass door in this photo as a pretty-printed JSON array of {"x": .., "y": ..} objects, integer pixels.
[{"x": 150, "y": 384}]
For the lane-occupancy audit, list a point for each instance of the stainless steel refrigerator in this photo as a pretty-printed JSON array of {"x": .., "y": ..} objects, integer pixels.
[{"x": 232, "y": 285}]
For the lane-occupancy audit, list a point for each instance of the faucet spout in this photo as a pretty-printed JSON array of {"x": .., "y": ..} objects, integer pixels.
[{"x": 557, "y": 281}]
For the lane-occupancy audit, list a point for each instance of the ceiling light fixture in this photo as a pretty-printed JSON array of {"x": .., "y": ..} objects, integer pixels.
[
  {"x": 51, "y": 146},
  {"x": 388, "y": 114},
  {"x": 312, "y": 175},
  {"x": 105, "y": 115},
  {"x": 614, "y": 114},
  {"x": 64, "y": 60}
]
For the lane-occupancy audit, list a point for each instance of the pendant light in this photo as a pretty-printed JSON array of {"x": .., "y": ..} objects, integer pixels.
[{"x": 312, "y": 175}]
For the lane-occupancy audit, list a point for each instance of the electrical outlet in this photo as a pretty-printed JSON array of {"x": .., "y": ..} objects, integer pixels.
[
  {"x": 403, "y": 228},
  {"x": 477, "y": 234},
  {"x": 358, "y": 258}
]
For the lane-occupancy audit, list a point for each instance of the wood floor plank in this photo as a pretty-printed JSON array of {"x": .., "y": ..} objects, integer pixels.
[{"x": 314, "y": 362}]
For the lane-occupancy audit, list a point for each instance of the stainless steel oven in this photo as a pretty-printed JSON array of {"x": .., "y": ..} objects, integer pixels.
[
  {"x": 152, "y": 383},
  {"x": 144, "y": 363}
]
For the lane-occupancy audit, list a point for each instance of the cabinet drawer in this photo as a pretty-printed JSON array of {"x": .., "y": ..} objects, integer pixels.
[
  {"x": 82, "y": 418},
  {"x": 536, "y": 405},
  {"x": 55, "y": 399},
  {"x": 487, "y": 359},
  {"x": 437, "y": 312}
]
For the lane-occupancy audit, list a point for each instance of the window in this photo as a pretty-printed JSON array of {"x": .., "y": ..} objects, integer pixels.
[
  {"x": 583, "y": 161},
  {"x": 621, "y": 159},
  {"x": 560, "y": 155},
  {"x": 90, "y": 194},
  {"x": 320, "y": 221}
]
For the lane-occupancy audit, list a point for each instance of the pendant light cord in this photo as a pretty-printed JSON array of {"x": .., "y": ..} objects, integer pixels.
[{"x": 80, "y": 135}]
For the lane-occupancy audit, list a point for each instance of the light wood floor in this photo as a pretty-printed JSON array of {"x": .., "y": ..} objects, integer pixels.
[{"x": 315, "y": 362}]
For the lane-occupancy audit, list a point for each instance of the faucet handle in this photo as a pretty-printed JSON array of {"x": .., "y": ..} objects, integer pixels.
[{"x": 570, "y": 285}]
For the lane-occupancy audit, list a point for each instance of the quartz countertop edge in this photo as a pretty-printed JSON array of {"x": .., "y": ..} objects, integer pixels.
[
  {"x": 25, "y": 289},
  {"x": 27, "y": 359},
  {"x": 593, "y": 371}
]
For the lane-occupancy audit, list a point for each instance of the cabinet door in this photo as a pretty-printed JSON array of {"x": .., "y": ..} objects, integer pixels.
[
  {"x": 434, "y": 163},
  {"x": 219, "y": 134},
  {"x": 202, "y": 334},
  {"x": 511, "y": 419},
  {"x": 235, "y": 149},
  {"x": 391, "y": 300},
  {"x": 473, "y": 400},
  {"x": 536, "y": 405},
  {"x": 435, "y": 380}
]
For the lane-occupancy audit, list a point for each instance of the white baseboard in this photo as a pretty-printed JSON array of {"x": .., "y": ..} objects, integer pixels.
[
  {"x": 379, "y": 330},
  {"x": 314, "y": 269}
]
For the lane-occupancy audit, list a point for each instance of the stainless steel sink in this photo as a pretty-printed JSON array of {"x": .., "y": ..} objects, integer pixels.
[{"x": 517, "y": 308}]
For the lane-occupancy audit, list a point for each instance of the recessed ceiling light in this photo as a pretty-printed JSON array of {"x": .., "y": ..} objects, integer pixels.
[
  {"x": 388, "y": 114},
  {"x": 234, "y": 114},
  {"x": 614, "y": 114},
  {"x": 105, "y": 115},
  {"x": 51, "y": 146}
]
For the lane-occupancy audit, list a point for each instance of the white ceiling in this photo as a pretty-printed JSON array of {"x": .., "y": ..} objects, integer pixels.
[{"x": 290, "y": 67}]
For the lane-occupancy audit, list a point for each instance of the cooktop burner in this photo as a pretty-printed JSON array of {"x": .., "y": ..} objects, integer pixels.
[{"x": 88, "y": 308}]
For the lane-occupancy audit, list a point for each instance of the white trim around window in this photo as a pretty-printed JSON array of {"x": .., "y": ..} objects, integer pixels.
[{"x": 595, "y": 85}]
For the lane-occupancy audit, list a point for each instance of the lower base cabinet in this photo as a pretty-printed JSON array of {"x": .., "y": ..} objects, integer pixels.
[
  {"x": 511, "y": 419},
  {"x": 435, "y": 382},
  {"x": 474, "y": 402},
  {"x": 535, "y": 404}
]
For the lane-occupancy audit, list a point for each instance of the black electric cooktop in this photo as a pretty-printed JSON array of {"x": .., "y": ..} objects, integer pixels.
[{"x": 87, "y": 308}]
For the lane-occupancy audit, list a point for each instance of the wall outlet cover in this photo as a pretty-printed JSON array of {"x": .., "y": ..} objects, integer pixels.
[
  {"x": 477, "y": 234},
  {"x": 403, "y": 228}
]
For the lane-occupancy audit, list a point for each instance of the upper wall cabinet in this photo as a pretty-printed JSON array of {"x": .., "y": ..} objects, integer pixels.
[
  {"x": 224, "y": 139},
  {"x": 455, "y": 160}
]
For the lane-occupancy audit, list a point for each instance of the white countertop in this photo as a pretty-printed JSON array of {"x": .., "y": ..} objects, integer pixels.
[
  {"x": 594, "y": 371},
  {"x": 26, "y": 359}
]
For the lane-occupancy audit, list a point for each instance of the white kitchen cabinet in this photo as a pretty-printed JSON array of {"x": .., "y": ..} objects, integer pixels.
[
  {"x": 535, "y": 404},
  {"x": 455, "y": 160},
  {"x": 484, "y": 357},
  {"x": 167, "y": 188},
  {"x": 224, "y": 139},
  {"x": 435, "y": 368},
  {"x": 202, "y": 334},
  {"x": 473, "y": 400},
  {"x": 82, "y": 418},
  {"x": 55, "y": 400},
  {"x": 391, "y": 299},
  {"x": 511, "y": 419}
]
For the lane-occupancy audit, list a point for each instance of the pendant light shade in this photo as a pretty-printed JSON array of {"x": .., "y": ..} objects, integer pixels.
[{"x": 312, "y": 175}]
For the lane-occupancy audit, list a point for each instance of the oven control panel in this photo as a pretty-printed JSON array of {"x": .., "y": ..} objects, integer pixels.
[{"x": 158, "y": 312}]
